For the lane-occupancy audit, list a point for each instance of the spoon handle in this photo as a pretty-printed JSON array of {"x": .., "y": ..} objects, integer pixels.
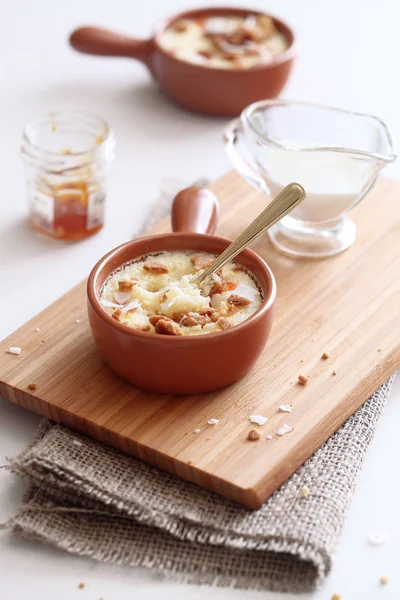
[{"x": 280, "y": 206}]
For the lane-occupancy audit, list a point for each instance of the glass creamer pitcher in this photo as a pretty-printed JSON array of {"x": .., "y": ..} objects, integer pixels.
[{"x": 335, "y": 154}]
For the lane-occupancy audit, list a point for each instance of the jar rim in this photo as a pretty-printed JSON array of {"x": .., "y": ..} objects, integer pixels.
[{"x": 51, "y": 118}]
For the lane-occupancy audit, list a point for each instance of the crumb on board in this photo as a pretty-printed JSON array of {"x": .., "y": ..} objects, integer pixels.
[
  {"x": 285, "y": 408},
  {"x": 284, "y": 429},
  {"x": 305, "y": 492},
  {"x": 37, "y": 329},
  {"x": 81, "y": 586},
  {"x": 14, "y": 350},
  {"x": 32, "y": 386},
  {"x": 213, "y": 421},
  {"x": 302, "y": 361},
  {"x": 379, "y": 349},
  {"x": 325, "y": 355},
  {"x": 383, "y": 579},
  {"x": 208, "y": 438},
  {"x": 189, "y": 462},
  {"x": 269, "y": 436},
  {"x": 197, "y": 430},
  {"x": 258, "y": 419},
  {"x": 336, "y": 597},
  {"x": 302, "y": 379},
  {"x": 334, "y": 372},
  {"x": 253, "y": 435},
  {"x": 77, "y": 320}
]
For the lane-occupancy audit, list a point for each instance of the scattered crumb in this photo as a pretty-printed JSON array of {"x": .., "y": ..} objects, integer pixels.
[
  {"x": 189, "y": 462},
  {"x": 43, "y": 341},
  {"x": 37, "y": 329},
  {"x": 378, "y": 538},
  {"x": 305, "y": 492},
  {"x": 302, "y": 361},
  {"x": 14, "y": 350},
  {"x": 77, "y": 320},
  {"x": 285, "y": 408},
  {"x": 81, "y": 586},
  {"x": 324, "y": 355},
  {"x": 197, "y": 430},
  {"x": 383, "y": 579},
  {"x": 208, "y": 438},
  {"x": 269, "y": 436},
  {"x": 333, "y": 372},
  {"x": 284, "y": 429},
  {"x": 258, "y": 419},
  {"x": 32, "y": 386},
  {"x": 213, "y": 421},
  {"x": 336, "y": 597},
  {"x": 303, "y": 380},
  {"x": 379, "y": 349},
  {"x": 253, "y": 435}
]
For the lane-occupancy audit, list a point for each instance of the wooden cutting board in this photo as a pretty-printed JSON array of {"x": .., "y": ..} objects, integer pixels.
[{"x": 347, "y": 305}]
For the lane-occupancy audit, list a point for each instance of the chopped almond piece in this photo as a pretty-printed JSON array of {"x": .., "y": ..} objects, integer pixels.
[
  {"x": 193, "y": 319},
  {"x": 155, "y": 318},
  {"x": 117, "y": 314},
  {"x": 325, "y": 355},
  {"x": 155, "y": 268},
  {"x": 169, "y": 327},
  {"x": 253, "y": 435},
  {"x": 32, "y": 386},
  {"x": 236, "y": 300},
  {"x": 303, "y": 380},
  {"x": 224, "y": 323},
  {"x": 207, "y": 311},
  {"x": 224, "y": 286},
  {"x": 124, "y": 285},
  {"x": 180, "y": 26},
  {"x": 201, "y": 261}
]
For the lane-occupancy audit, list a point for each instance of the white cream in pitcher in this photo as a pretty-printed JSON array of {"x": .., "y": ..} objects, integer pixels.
[{"x": 159, "y": 293}]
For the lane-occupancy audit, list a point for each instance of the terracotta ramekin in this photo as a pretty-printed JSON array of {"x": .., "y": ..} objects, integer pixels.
[
  {"x": 220, "y": 92},
  {"x": 173, "y": 364}
]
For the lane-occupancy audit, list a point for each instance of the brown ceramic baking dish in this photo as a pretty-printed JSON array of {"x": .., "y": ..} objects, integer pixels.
[
  {"x": 187, "y": 364},
  {"x": 196, "y": 87}
]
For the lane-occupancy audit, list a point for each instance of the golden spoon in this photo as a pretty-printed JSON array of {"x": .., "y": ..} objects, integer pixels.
[{"x": 285, "y": 201}]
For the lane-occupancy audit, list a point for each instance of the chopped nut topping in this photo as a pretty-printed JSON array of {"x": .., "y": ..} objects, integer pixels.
[
  {"x": 167, "y": 327},
  {"x": 253, "y": 435},
  {"x": 224, "y": 286},
  {"x": 236, "y": 300},
  {"x": 193, "y": 319},
  {"x": 117, "y": 314},
  {"x": 305, "y": 492},
  {"x": 141, "y": 327},
  {"x": 32, "y": 386},
  {"x": 303, "y": 380},
  {"x": 156, "y": 268},
  {"x": 124, "y": 285},
  {"x": 224, "y": 323},
  {"x": 155, "y": 318},
  {"x": 180, "y": 26},
  {"x": 325, "y": 355},
  {"x": 201, "y": 261},
  {"x": 205, "y": 53},
  {"x": 207, "y": 311}
]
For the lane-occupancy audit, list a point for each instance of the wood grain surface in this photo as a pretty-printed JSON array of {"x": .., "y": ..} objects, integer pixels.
[{"x": 347, "y": 306}]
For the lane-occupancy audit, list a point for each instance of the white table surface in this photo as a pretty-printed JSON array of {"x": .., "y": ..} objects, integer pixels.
[{"x": 349, "y": 58}]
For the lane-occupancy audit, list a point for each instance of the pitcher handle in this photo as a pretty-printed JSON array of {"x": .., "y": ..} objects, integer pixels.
[{"x": 239, "y": 155}]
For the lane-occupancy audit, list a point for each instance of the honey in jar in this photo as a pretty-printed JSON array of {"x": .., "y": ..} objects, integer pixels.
[{"x": 67, "y": 157}]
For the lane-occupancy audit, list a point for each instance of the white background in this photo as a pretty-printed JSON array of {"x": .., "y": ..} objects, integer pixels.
[{"x": 349, "y": 57}]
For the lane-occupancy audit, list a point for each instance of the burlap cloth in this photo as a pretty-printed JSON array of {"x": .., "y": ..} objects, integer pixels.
[{"x": 94, "y": 501}]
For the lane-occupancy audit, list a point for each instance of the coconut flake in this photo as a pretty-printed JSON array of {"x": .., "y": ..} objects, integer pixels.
[
  {"x": 213, "y": 421},
  {"x": 269, "y": 436},
  {"x": 258, "y": 419},
  {"x": 131, "y": 305},
  {"x": 285, "y": 408},
  {"x": 378, "y": 538},
  {"x": 284, "y": 429},
  {"x": 217, "y": 299},
  {"x": 216, "y": 278},
  {"x": 14, "y": 350},
  {"x": 197, "y": 430},
  {"x": 245, "y": 291},
  {"x": 218, "y": 25},
  {"x": 109, "y": 304},
  {"x": 122, "y": 297}
]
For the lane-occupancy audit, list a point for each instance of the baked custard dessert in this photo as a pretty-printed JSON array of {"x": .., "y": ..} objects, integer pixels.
[
  {"x": 159, "y": 293},
  {"x": 227, "y": 42}
]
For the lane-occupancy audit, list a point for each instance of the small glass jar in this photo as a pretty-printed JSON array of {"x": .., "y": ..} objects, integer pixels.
[{"x": 67, "y": 157}]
